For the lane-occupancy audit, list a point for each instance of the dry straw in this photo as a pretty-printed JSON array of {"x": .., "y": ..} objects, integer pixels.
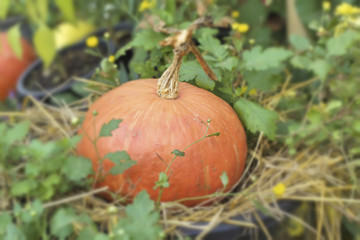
[{"x": 310, "y": 176}]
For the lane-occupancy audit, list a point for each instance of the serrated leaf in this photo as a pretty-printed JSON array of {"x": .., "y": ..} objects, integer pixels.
[
  {"x": 17, "y": 132},
  {"x": 224, "y": 179},
  {"x": 122, "y": 162},
  {"x": 23, "y": 187},
  {"x": 147, "y": 39},
  {"x": 4, "y": 8},
  {"x": 192, "y": 70},
  {"x": 5, "y": 220},
  {"x": 61, "y": 223},
  {"x": 141, "y": 213},
  {"x": 67, "y": 8},
  {"x": 257, "y": 59},
  {"x": 163, "y": 181},
  {"x": 301, "y": 62},
  {"x": 178, "y": 153},
  {"x": 77, "y": 168},
  {"x": 229, "y": 64},
  {"x": 212, "y": 45},
  {"x": 300, "y": 43},
  {"x": 263, "y": 80},
  {"x": 321, "y": 68},
  {"x": 107, "y": 128},
  {"x": 14, "y": 38},
  {"x": 13, "y": 232},
  {"x": 44, "y": 41},
  {"x": 257, "y": 118},
  {"x": 339, "y": 45}
]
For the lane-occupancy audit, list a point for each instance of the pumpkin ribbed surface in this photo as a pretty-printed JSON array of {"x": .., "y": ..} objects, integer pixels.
[
  {"x": 153, "y": 127},
  {"x": 11, "y": 67}
]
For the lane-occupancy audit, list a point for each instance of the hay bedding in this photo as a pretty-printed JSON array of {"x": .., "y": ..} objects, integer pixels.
[{"x": 310, "y": 176}]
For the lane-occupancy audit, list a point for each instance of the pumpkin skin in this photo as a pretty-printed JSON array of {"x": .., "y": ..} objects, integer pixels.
[
  {"x": 11, "y": 67},
  {"x": 152, "y": 125}
]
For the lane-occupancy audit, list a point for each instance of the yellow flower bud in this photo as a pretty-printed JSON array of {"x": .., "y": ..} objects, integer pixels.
[
  {"x": 111, "y": 58},
  {"x": 279, "y": 189},
  {"x": 92, "y": 41},
  {"x": 235, "y": 14}
]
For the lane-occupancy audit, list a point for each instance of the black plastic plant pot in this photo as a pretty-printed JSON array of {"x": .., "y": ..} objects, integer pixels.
[
  {"x": 58, "y": 78},
  {"x": 232, "y": 232},
  {"x": 24, "y": 26}
]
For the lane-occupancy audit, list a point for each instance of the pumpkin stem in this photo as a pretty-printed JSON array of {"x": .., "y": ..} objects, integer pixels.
[{"x": 168, "y": 83}]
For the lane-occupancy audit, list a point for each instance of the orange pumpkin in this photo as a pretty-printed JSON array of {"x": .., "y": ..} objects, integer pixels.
[
  {"x": 160, "y": 116},
  {"x": 153, "y": 127},
  {"x": 11, "y": 66}
]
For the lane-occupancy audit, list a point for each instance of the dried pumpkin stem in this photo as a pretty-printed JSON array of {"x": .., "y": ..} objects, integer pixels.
[{"x": 168, "y": 83}]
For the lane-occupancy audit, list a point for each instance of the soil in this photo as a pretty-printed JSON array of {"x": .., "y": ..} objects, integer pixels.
[{"x": 72, "y": 62}]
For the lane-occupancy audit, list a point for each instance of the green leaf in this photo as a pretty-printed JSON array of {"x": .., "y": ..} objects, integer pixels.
[
  {"x": 229, "y": 64},
  {"x": 107, "y": 128},
  {"x": 23, "y": 187},
  {"x": 4, "y": 8},
  {"x": 101, "y": 236},
  {"x": 87, "y": 233},
  {"x": 32, "y": 212},
  {"x": 339, "y": 45},
  {"x": 77, "y": 168},
  {"x": 212, "y": 45},
  {"x": 163, "y": 181},
  {"x": 266, "y": 80},
  {"x": 224, "y": 179},
  {"x": 178, "y": 153},
  {"x": 17, "y": 132},
  {"x": 300, "y": 43},
  {"x": 256, "y": 59},
  {"x": 5, "y": 220},
  {"x": 13, "y": 232},
  {"x": 67, "y": 8},
  {"x": 147, "y": 39},
  {"x": 257, "y": 118},
  {"x": 351, "y": 226},
  {"x": 141, "y": 213},
  {"x": 44, "y": 41},
  {"x": 262, "y": 208},
  {"x": 301, "y": 62},
  {"x": 42, "y": 9},
  {"x": 61, "y": 223},
  {"x": 321, "y": 68},
  {"x": 122, "y": 162},
  {"x": 192, "y": 70},
  {"x": 14, "y": 38}
]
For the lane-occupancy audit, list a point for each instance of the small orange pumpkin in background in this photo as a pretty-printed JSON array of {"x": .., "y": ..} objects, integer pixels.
[
  {"x": 160, "y": 116},
  {"x": 11, "y": 66}
]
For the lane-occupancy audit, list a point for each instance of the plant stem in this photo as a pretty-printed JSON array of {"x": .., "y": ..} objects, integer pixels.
[{"x": 173, "y": 159}]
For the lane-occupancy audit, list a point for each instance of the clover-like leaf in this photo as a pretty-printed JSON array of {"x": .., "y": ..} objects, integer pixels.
[
  {"x": 122, "y": 162},
  {"x": 107, "y": 128}
]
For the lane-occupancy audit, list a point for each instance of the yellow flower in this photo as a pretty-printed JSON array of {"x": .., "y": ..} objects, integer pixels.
[
  {"x": 235, "y": 14},
  {"x": 252, "y": 41},
  {"x": 346, "y": 9},
  {"x": 279, "y": 189},
  {"x": 111, "y": 58},
  {"x": 92, "y": 41},
  {"x": 326, "y": 6},
  {"x": 146, "y": 4},
  {"x": 252, "y": 92},
  {"x": 240, "y": 27},
  {"x": 243, "y": 90}
]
